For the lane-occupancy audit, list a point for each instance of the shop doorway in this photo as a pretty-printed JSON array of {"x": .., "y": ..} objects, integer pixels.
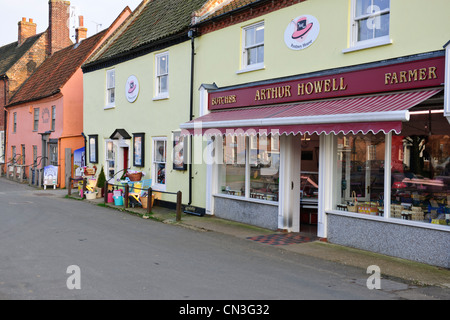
[{"x": 309, "y": 183}]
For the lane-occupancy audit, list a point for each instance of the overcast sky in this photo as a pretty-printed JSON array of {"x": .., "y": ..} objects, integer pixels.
[{"x": 98, "y": 14}]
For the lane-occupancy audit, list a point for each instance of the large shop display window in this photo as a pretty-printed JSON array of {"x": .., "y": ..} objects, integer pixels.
[
  {"x": 361, "y": 173},
  {"x": 250, "y": 167},
  {"x": 419, "y": 172}
]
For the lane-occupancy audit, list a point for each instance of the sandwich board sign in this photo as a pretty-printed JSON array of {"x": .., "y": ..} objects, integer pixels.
[{"x": 50, "y": 176}]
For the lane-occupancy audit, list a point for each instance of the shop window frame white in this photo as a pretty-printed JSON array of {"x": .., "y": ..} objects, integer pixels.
[
  {"x": 355, "y": 44},
  {"x": 155, "y": 163},
  {"x": 110, "y": 89},
  {"x": 248, "y": 164},
  {"x": 245, "y": 67},
  {"x": 160, "y": 95}
]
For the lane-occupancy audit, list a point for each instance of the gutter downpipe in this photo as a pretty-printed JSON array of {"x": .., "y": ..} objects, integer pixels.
[
  {"x": 191, "y": 35},
  {"x": 5, "y": 121}
]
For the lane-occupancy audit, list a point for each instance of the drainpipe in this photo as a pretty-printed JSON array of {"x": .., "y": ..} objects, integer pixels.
[
  {"x": 5, "y": 114},
  {"x": 191, "y": 35}
]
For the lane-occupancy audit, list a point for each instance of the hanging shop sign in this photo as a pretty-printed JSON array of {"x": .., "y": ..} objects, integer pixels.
[
  {"x": 301, "y": 32},
  {"x": 403, "y": 76},
  {"x": 132, "y": 89}
]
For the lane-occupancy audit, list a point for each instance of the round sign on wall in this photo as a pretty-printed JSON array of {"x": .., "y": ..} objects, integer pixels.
[
  {"x": 132, "y": 89},
  {"x": 301, "y": 32}
]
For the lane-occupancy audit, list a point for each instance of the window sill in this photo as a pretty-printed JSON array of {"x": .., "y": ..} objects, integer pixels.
[
  {"x": 368, "y": 45},
  {"x": 240, "y": 198},
  {"x": 112, "y": 106},
  {"x": 251, "y": 68},
  {"x": 162, "y": 97},
  {"x": 159, "y": 187}
]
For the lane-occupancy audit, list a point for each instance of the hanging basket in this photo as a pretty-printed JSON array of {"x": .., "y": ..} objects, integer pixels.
[{"x": 134, "y": 176}]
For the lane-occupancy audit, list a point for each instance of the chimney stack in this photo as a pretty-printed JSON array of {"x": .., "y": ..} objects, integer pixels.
[
  {"x": 58, "y": 26},
  {"x": 26, "y": 29},
  {"x": 81, "y": 31}
]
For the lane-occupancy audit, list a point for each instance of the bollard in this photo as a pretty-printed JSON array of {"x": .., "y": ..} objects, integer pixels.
[
  {"x": 105, "y": 195},
  {"x": 149, "y": 200},
  {"x": 69, "y": 186},
  {"x": 84, "y": 188},
  {"x": 178, "y": 205},
  {"x": 127, "y": 193}
]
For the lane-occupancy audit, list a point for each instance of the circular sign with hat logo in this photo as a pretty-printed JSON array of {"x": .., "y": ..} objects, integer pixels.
[
  {"x": 132, "y": 89},
  {"x": 301, "y": 32}
]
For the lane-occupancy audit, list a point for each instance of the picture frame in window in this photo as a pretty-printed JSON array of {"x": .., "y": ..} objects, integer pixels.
[
  {"x": 179, "y": 152},
  {"x": 139, "y": 149},
  {"x": 93, "y": 148}
]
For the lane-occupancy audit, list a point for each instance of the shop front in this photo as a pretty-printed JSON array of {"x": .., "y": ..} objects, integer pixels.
[{"x": 362, "y": 153}]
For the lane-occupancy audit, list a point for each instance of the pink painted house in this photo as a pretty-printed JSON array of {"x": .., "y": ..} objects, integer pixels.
[{"x": 45, "y": 116}]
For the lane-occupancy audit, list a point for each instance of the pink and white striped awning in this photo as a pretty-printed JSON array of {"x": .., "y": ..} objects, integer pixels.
[{"x": 375, "y": 113}]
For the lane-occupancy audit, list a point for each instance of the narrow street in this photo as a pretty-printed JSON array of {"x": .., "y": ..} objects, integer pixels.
[{"x": 122, "y": 256}]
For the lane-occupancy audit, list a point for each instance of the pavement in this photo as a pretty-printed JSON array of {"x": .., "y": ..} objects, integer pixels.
[{"x": 414, "y": 273}]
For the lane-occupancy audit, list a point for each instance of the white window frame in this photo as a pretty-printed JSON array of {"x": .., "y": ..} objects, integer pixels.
[
  {"x": 110, "y": 88},
  {"x": 245, "y": 67},
  {"x": 365, "y": 44},
  {"x": 107, "y": 159},
  {"x": 158, "y": 75},
  {"x": 155, "y": 185}
]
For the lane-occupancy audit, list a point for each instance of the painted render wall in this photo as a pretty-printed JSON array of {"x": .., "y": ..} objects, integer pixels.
[
  {"x": 156, "y": 118},
  {"x": 327, "y": 51}
]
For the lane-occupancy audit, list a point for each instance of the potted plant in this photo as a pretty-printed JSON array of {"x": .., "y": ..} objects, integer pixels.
[{"x": 101, "y": 183}]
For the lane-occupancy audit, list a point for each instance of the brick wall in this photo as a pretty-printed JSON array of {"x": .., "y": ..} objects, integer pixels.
[
  {"x": 24, "y": 67},
  {"x": 26, "y": 30},
  {"x": 58, "y": 30}
]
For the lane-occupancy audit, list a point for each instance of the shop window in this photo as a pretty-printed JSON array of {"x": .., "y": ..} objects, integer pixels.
[
  {"x": 36, "y": 119},
  {"x": 370, "y": 23},
  {"x": 159, "y": 163},
  {"x": 253, "y": 46},
  {"x": 110, "y": 88},
  {"x": 360, "y": 173},
  {"x": 421, "y": 170},
  {"x": 162, "y": 75},
  {"x": 250, "y": 167},
  {"x": 110, "y": 159},
  {"x": 232, "y": 172}
]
